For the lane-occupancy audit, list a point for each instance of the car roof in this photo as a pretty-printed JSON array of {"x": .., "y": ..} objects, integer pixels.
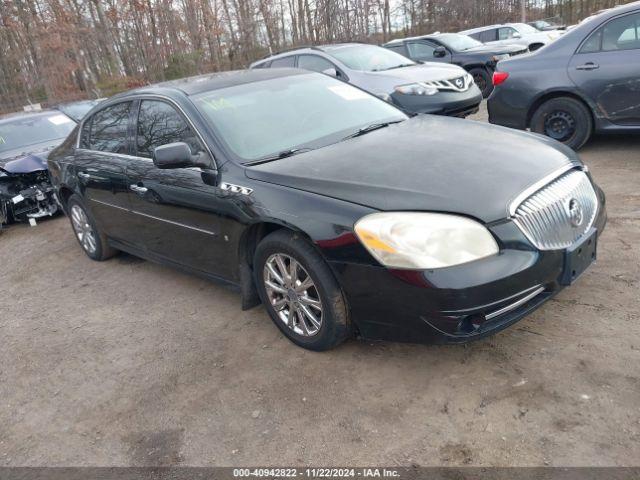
[
  {"x": 214, "y": 81},
  {"x": 488, "y": 27},
  {"x": 420, "y": 37},
  {"x": 328, "y": 48},
  {"x": 38, "y": 113}
]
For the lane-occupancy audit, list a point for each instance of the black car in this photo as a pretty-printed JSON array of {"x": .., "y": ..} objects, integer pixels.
[
  {"x": 587, "y": 81},
  {"x": 475, "y": 57},
  {"x": 339, "y": 212}
]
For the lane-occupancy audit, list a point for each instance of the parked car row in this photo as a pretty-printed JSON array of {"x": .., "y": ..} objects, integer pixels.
[{"x": 476, "y": 58}]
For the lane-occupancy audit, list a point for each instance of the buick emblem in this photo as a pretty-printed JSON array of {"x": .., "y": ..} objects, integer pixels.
[
  {"x": 459, "y": 82},
  {"x": 576, "y": 215}
]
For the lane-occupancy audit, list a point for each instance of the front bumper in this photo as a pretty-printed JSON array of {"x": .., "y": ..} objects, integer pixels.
[
  {"x": 458, "y": 104},
  {"x": 456, "y": 304}
]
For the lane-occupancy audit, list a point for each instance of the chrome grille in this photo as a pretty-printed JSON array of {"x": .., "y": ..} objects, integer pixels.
[
  {"x": 560, "y": 213},
  {"x": 457, "y": 84}
]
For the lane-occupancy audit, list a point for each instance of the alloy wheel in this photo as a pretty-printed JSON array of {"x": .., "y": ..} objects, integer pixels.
[
  {"x": 83, "y": 229},
  {"x": 293, "y": 294}
]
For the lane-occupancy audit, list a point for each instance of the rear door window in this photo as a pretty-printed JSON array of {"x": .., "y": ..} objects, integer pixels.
[
  {"x": 619, "y": 34},
  {"x": 490, "y": 35},
  {"x": 622, "y": 33},
  {"x": 106, "y": 130}
]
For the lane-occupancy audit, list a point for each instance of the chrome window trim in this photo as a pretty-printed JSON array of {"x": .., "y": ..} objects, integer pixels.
[
  {"x": 526, "y": 193},
  {"x": 141, "y": 97}
]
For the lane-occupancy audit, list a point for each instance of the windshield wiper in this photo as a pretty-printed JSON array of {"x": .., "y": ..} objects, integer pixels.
[
  {"x": 402, "y": 65},
  {"x": 278, "y": 156},
  {"x": 371, "y": 128}
]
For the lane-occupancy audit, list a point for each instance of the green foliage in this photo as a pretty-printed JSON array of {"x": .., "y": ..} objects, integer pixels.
[{"x": 182, "y": 65}]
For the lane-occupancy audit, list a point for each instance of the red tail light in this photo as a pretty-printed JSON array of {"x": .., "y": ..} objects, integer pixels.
[{"x": 499, "y": 78}]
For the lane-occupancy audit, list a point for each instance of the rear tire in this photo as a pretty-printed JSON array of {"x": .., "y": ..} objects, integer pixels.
[
  {"x": 299, "y": 291},
  {"x": 483, "y": 80},
  {"x": 91, "y": 240},
  {"x": 564, "y": 119}
]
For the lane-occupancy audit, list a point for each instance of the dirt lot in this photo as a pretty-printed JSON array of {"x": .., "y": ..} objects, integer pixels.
[{"x": 130, "y": 363}]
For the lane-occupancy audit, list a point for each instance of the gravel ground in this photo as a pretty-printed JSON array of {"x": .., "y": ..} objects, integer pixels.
[{"x": 130, "y": 363}]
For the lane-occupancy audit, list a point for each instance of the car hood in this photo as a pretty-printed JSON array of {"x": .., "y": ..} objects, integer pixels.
[
  {"x": 27, "y": 160},
  {"x": 429, "y": 71},
  {"x": 427, "y": 163},
  {"x": 495, "y": 49}
]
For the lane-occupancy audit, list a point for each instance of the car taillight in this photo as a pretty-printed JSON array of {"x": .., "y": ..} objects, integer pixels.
[{"x": 499, "y": 78}]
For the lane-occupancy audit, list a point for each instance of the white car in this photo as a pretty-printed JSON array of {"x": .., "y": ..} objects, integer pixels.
[{"x": 513, "y": 33}]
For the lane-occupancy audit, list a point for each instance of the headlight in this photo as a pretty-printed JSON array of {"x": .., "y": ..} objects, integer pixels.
[
  {"x": 424, "y": 240},
  {"x": 416, "y": 89}
]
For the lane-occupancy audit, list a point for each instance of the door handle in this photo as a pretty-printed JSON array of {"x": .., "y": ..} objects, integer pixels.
[
  {"x": 138, "y": 189},
  {"x": 84, "y": 176},
  {"x": 588, "y": 66}
]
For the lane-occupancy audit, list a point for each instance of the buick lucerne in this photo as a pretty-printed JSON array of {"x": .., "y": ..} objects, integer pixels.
[{"x": 337, "y": 211}]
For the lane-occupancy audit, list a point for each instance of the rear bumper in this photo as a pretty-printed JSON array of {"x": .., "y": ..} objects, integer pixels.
[
  {"x": 457, "y": 304},
  {"x": 507, "y": 108},
  {"x": 458, "y": 104}
]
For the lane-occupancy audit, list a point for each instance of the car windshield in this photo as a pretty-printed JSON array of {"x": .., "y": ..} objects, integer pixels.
[
  {"x": 525, "y": 29},
  {"x": 458, "y": 42},
  {"x": 307, "y": 111},
  {"x": 369, "y": 58},
  {"x": 20, "y": 132}
]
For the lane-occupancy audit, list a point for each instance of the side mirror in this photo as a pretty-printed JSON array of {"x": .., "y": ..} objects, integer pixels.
[
  {"x": 173, "y": 155},
  {"x": 517, "y": 35},
  {"x": 439, "y": 52},
  {"x": 332, "y": 72}
]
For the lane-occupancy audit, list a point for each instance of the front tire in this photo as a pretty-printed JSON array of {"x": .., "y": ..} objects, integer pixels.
[
  {"x": 91, "y": 240},
  {"x": 300, "y": 292},
  {"x": 564, "y": 119},
  {"x": 483, "y": 80}
]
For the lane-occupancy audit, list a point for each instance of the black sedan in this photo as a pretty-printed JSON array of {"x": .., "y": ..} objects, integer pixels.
[
  {"x": 475, "y": 57},
  {"x": 339, "y": 212},
  {"x": 587, "y": 81}
]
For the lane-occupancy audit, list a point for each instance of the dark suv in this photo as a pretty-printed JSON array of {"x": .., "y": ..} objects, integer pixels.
[
  {"x": 475, "y": 57},
  {"x": 587, "y": 81}
]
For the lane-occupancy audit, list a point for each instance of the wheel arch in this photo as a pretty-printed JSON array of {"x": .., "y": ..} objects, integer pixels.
[
  {"x": 538, "y": 101},
  {"x": 64, "y": 193},
  {"x": 249, "y": 240}
]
